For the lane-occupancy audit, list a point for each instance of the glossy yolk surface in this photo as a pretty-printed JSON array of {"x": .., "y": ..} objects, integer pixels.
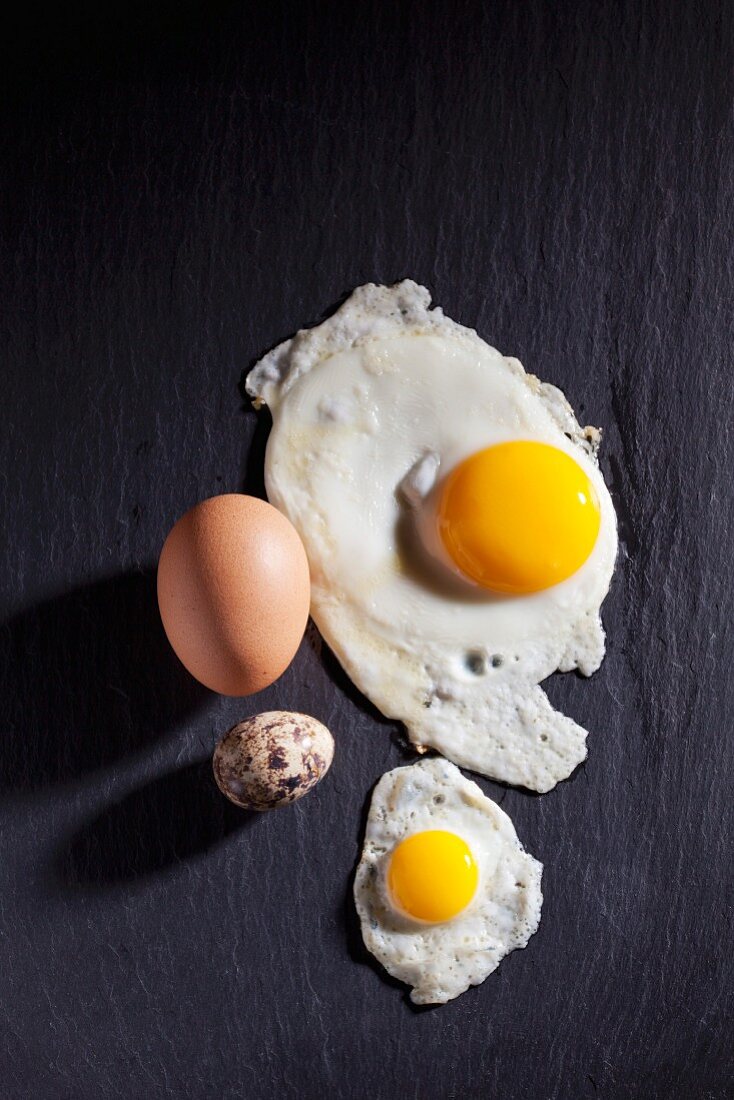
[
  {"x": 519, "y": 517},
  {"x": 432, "y": 875}
]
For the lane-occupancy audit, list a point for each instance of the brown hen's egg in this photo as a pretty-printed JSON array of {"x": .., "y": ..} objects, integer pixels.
[
  {"x": 234, "y": 592},
  {"x": 272, "y": 759}
]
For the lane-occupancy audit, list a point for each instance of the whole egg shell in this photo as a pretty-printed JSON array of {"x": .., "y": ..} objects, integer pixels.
[
  {"x": 233, "y": 593},
  {"x": 272, "y": 759}
]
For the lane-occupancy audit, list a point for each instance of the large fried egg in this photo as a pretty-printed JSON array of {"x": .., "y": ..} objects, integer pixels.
[
  {"x": 459, "y": 533},
  {"x": 444, "y": 888}
]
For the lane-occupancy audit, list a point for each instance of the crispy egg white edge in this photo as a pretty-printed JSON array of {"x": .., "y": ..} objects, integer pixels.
[
  {"x": 472, "y": 730},
  {"x": 441, "y": 961}
]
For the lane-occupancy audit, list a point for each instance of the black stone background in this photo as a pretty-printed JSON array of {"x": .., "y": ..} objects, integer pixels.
[{"x": 182, "y": 186}]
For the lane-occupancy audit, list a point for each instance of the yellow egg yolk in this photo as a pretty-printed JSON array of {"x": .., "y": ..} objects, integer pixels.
[
  {"x": 519, "y": 517},
  {"x": 432, "y": 875}
]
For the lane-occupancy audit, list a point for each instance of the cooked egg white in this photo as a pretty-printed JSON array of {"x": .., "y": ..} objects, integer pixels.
[
  {"x": 459, "y": 533},
  {"x": 444, "y": 888}
]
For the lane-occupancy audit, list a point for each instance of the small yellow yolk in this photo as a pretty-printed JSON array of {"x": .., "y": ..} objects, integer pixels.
[
  {"x": 432, "y": 875},
  {"x": 519, "y": 517}
]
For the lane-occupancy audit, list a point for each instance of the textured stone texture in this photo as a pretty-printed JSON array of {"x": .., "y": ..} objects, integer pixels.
[{"x": 181, "y": 190}]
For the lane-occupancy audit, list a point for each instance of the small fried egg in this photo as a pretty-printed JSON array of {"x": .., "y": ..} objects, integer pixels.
[
  {"x": 459, "y": 533},
  {"x": 444, "y": 889}
]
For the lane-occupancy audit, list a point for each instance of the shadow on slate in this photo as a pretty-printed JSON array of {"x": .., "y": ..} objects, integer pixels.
[
  {"x": 172, "y": 819},
  {"x": 87, "y": 678},
  {"x": 253, "y": 480},
  {"x": 346, "y": 686}
]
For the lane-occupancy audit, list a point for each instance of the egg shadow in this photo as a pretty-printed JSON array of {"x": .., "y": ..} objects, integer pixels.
[
  {"x": 259, "y": 421},
  {"x": 341, "y": 680},
  {"x": 85, "y": 679},
  {"x": 429, "y": 573},
  {"x": 172, "y": 819}
]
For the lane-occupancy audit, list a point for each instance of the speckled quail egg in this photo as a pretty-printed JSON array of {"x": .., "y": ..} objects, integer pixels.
[{"x": 272, "y": 759}]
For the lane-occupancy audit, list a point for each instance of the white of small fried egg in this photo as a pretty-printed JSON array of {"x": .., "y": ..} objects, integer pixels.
[
  {"x": 459, "y": 533},
  {"x": 444, "y": 888}
]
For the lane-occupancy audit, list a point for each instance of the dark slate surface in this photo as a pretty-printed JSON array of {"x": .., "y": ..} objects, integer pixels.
[{"x": 183, "y": 188}]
